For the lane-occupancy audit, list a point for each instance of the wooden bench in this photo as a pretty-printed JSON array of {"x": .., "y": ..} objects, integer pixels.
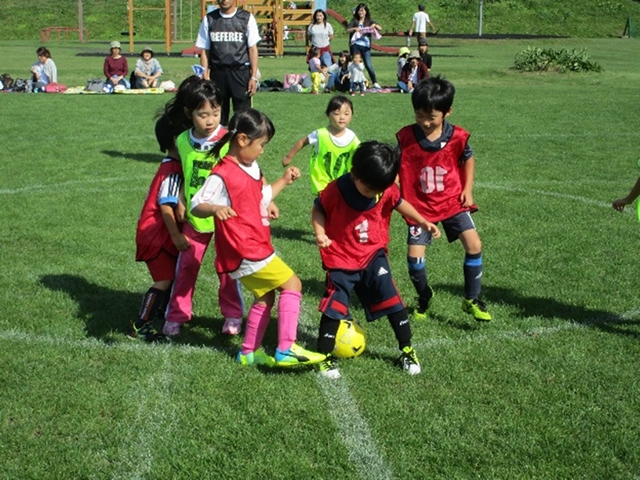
[{"x": 45, "y": 33}]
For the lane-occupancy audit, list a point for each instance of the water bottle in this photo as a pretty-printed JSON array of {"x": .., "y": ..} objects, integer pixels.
[
  {"x": 29, "y": 86},
  {"x": 408, "y": 41}
]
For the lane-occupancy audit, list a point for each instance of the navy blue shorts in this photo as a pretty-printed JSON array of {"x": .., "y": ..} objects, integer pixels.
[
  {"x": 374, "y": 287},
  {"x": 452, "y": 227}
]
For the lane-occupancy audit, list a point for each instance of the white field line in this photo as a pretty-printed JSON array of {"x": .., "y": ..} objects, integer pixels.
[
  {"x": 71, "y": 183},
  {"x": 354, "y": 428},
  {"x": 356, "y": 434},
  {"x": 529, "y": 191},
  {"x": 435, "y": 343},
  {"x": 155, "y": 418},
  {"x": 161, "y": 350}
]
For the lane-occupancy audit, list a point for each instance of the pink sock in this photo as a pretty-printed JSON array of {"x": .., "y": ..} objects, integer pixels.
[
  {"x": 288, "y": 313},
  {"x": 257, "y": 321}
]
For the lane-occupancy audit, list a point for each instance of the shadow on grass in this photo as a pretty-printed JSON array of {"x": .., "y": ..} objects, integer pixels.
[
  {"x": 138, "y": 157},
  {"x": 108, "y": 312},
  {"x": 551, "y": 308},
  {"x": 298, "y": 234}
]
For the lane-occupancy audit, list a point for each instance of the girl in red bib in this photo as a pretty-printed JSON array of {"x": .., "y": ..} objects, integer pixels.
[{"x": 237, "y": 196}]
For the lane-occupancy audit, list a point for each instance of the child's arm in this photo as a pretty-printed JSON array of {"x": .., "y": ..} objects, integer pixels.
[
  {"x": 221, "y": 212},
  {"x": 299, "y": 145},
  {"x": 317, "y": 221},
  {"x": 413, "y": 24},
  {"x": 406, "y": 210},
  {"x": 212, "y": 200},
  {"x": 290, "y": 176},
  {"x": 179, "y": 240},
  {"x": 272, "y": 209},
  {"x": 468, "y": 169},
  {"x": 633, "y": 194},
  {"x": 181, "y": 208}
]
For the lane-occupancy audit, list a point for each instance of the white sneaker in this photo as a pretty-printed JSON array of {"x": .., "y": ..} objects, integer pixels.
[
  {"x": 232, "y": 326},
  {"x": 171, "y": 329},
  {"x": 376, "y": 85}
]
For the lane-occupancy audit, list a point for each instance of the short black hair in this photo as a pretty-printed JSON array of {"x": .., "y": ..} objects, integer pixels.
[
  {"x": 376, "y": 165},
  {"x": 421, "y": 7},
  {"x": 336, "y": 103},
  {"x": 434, "y": 93}
]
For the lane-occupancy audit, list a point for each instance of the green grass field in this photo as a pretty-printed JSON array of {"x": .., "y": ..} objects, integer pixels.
[{"x": 549, "y": 389}]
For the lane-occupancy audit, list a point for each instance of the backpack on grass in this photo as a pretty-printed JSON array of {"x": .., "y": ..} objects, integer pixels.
[
  {"x": 7, "y": 81},
  {"x": 21, "y": 86}
]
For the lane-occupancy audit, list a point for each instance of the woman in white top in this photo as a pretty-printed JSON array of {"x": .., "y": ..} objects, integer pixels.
[
  {"x": 320, "y": 34},
  {"x": 44, "y": 71}
]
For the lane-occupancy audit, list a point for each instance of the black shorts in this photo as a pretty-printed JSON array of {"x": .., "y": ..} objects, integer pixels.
[
  {"x": 453, "y": 227},
  {"x": 374, "y": 287}
]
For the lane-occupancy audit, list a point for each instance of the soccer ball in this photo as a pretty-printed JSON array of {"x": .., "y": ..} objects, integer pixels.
[
  {"x": 350, "y": 340},
  {"x": 108, "y": 88}
]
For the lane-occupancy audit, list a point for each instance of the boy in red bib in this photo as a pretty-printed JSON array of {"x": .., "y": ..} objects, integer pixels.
[
  {"x": 351, "y": 221},
  {"x": 436, "y": 176}
]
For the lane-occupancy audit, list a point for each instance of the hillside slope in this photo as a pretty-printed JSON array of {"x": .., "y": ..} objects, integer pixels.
[{"x": 107, "y": 19}]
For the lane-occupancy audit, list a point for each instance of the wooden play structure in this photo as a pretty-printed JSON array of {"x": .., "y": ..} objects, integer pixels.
[
  {"x": 167, "y": 22},
  {"x": 272, "y": 17}
]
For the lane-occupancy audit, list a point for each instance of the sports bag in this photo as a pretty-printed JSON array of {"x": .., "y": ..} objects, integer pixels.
[
  {"x": 55, "y": 87},
  {"x": 7, "y": 81},
  {"x": 21, "y": 86},
  {"x": 95, "y": 85}
]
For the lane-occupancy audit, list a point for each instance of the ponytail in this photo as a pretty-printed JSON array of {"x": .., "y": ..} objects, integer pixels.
[{"x": 253, "y": 123}]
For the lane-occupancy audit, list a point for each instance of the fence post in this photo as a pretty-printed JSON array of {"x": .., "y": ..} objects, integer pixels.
[{"x": 627, "y": 29}]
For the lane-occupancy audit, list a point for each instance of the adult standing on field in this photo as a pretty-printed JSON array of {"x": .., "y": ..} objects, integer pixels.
[
  {"x": 229, "y": 39},
  {"x": 419, "y": 23},
  {"x": 320, "y": 34},
  {"x": 361, "y": 28}
]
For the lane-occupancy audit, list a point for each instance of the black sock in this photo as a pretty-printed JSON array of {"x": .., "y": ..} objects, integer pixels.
[
  {"x": 166, "y": 296},
  {"x": 418, "y": 276},
  {"x": 327, "y": 334},
  {"x": 472, "y": 275},
  {"x": 151, "y": 303},
  {"x": 400, "y": 323}
]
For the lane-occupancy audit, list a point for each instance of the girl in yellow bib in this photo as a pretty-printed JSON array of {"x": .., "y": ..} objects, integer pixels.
[{"x": 333, "y": 145}]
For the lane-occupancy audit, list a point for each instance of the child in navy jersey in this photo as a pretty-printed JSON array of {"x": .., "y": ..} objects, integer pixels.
[{"x": 351, "y": 222}]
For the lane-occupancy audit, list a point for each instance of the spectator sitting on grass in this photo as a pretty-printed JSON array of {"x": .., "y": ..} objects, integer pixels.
[{"x": 148, "y": 70}]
